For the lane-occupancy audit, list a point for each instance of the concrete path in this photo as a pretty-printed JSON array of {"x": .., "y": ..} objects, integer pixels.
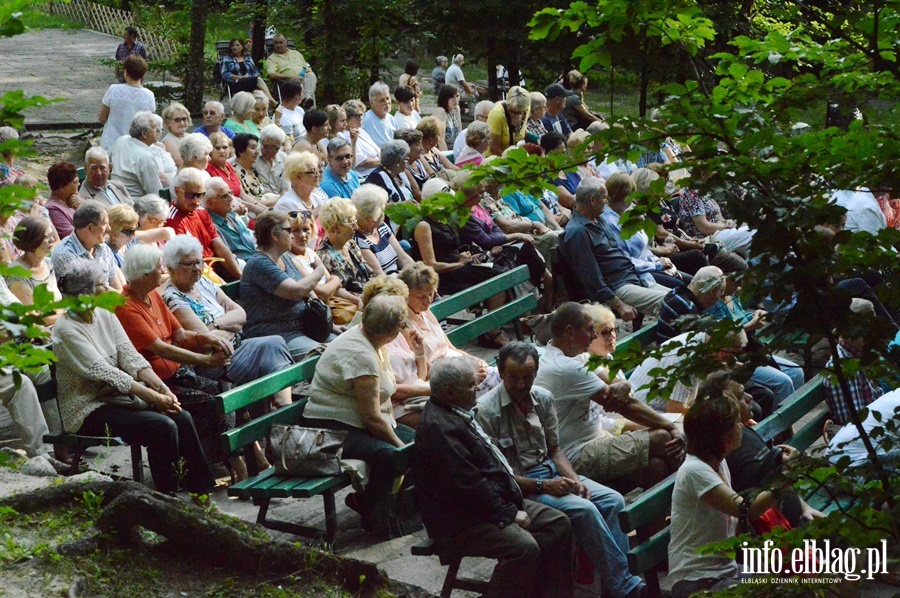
[{"x": 57, "y": 63}]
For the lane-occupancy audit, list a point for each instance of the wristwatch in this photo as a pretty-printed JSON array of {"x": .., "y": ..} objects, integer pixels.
[{"x": 539, "y": 484}]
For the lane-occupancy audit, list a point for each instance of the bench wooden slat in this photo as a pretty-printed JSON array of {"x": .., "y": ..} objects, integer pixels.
[
  {"x": 642, "y": 338},
  {"x": 266, "y": 488},
  {"x": 478, "y": 293},
  {"x": 805, "y": 437},
  {"x": 247, "y": 394},
  {"x": 798, "y": 404},
  {"x": 650, "y": 506},
  {"x": 315, "y": 486},
  {"x": 648, "y": 555},
  {"x": 491, "y": 320},
  {"x": 237, "y": 438},
  {"x": 239, "y": 489}
]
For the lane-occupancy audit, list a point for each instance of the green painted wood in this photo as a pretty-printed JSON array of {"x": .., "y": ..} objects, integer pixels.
[
  {"x": 649, "y": 506},
  {"x": 241, "y": 436},
  {"x": 802, "y": 401},
  {"x": 315, "y": 486},
  {"x": 266, "y": 488},
  {"x": 232, "y": 289},
  {"x": 491, "y": 320},
  {"x": 651, "y": 553},
  {"x": 478, "y": 293},
  {"x": 811, "y": 431},
  {"x": 644, "y": 337},
  {"x": 165, "y": 194},
  {"x": 247, "y": 394},
  {"x": 240, "y": 488}
]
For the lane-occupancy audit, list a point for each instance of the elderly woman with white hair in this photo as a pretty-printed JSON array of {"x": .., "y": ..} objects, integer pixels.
[
  {"x": 177, "y": 121},
  {"x": 351, "y": 391},
  {"x": 391, "y": 175},
  {"x": 241, "y": 121},
  {"x": 187, "y": 361},
  {"x": 220, "y": 166},
  {"x": 164, "y": 160},
  {"x": 195, "y": 151},
  {"x": 507, "y": 120},
  {"x": 478, "y": 138},
  {"x": 134, "y": 162},
  {"x": 107, "y": 388},
  {"x": 152, "y": 211},
  {"x": 339, "y": 252},
  {"x": 200, "y": 306},
  {"x": 377, "y": 243},
  {"x": 270, "y": 163},
  {"x": 366, "y": 150},
  {"x": 274, "y": 291}
]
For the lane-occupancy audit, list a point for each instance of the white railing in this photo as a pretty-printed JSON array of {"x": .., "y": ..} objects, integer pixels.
[{"x": 112, "y": 21}]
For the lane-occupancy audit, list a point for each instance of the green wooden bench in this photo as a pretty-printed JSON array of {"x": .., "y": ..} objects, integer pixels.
[
  {"x": 232, "y": 290},
  {"x": 262, "y": 487},
  {"x": 651, "y": 551}
]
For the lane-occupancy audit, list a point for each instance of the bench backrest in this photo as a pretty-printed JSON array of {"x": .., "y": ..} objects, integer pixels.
[
  {"x": 478, "y": 293},
  {"x": 232, "y": 290}
]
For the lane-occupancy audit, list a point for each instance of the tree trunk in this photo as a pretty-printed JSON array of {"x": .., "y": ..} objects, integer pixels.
[
  {"x": 259, "y": 31},
  {"x": 195, "y": 71},
  {"x": 645, "y": 77}
]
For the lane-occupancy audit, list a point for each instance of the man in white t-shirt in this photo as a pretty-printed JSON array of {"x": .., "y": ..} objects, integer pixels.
[
  {"x": 457, "y": 79},
  {"x": 647, "y": 447},
  {"x": 848, "y": 443},
  {"x": 292, "y": 114}
]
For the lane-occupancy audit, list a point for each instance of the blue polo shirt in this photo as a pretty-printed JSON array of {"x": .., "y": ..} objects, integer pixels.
[
  {"x": 222, "y": 128},
  {"x": 335, "y": 187}
]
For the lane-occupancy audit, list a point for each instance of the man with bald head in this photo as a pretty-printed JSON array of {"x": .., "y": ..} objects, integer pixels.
[{"x": 231, "y": 229}]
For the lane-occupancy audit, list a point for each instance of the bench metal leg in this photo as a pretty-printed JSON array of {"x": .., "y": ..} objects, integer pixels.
[
  {"x": 330, "y": 517},
  {"x": 137, "y": 463},
  {"x": 298, "y": 529},
  {"x": 450, "y": 580},
  {"x": 77, "y": 454}
]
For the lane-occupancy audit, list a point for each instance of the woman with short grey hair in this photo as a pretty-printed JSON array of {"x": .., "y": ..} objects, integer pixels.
[
  {"x": 377, "y": 243},
  {"x": 478, "y": 139},
  {"x": 351, "y": 391},
  {"x": 391, "y": 175},
  {"x": 133, "y": 158},
  {"x": 107, "y": 388},
  {"x": 152, "y": 213},
  {"x": 195, "y": 150},
  {"x": 241, "y": 121},
  {"x": 365, "y": 149}
]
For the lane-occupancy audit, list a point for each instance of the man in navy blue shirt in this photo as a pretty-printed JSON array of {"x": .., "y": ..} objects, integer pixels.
[{"x": 591, "y": 252}]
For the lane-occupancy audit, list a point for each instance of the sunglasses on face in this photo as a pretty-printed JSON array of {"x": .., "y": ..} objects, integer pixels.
[
  {"x": 192, "y": 195},
  {"x": 128, "y": 232},
  {"x": 295, "y": 213}
]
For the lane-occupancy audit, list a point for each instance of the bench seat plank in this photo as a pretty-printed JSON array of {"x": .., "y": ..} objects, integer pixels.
[
  {"x": 492, "y": 320},
  {"x": 240, "y": 488}
]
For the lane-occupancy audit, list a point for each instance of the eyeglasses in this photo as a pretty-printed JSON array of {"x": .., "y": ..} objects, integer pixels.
[
  {"x": 608, "y": 332},
  {"x": 181, "y": 119},
  {"x": 222, "y": 147},
  {"x": 191, "y": 264},
  {"x": 211, "y": 113},
  {"x": 295, "y": 213},
  {"x": 128, "y": 232},
  {"x": 316, "y": 172},
  {"x": 225, "y": 195},
  {"x": 192, "y": 195},
  {"x": 342, "y": 158}
]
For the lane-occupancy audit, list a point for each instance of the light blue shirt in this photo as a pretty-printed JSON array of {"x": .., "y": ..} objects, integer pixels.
[
  {"x": 637, "y": 247},
  {"x": 334, "y": 186},
  {"x": 381, "y": 130}
]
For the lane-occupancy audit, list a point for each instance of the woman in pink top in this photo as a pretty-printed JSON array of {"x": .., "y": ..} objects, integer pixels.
[{"x": 64, "y": 199}]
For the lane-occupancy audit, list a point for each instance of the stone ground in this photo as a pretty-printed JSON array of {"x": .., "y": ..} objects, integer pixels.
[{"x": 82, "y": 81}]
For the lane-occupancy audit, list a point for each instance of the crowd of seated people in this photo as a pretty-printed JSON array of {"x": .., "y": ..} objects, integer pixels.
[{"x": 292, "y": 208}]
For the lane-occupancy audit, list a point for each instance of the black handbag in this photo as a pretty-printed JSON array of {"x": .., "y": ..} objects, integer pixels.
[{"x": 317, "y": 320}]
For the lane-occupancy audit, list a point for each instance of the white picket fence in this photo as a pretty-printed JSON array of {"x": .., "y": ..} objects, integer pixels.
[{"x": 112, "y": 21}]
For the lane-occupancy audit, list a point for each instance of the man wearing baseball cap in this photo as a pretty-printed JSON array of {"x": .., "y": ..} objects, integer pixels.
[{"x": 554, "y": 120}]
